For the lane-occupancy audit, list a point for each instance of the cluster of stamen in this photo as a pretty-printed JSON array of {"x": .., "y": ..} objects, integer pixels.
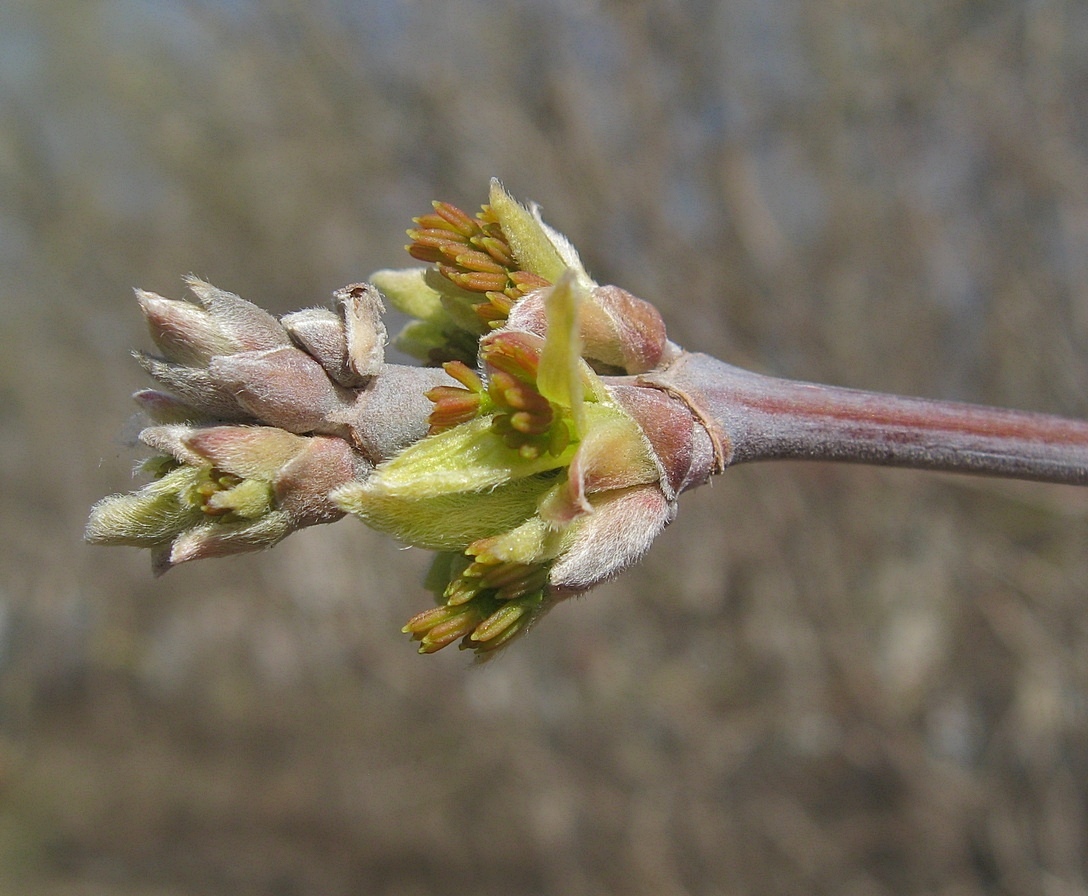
[
  {"x": 454, "y": 405},
  {"x": 486, "y": 601},
  {"x": 524, "y": 419},
  {"x": 486, "y": 605},
  {"x": 474, "y": 254},
  {"x": 211, "y": 481}
]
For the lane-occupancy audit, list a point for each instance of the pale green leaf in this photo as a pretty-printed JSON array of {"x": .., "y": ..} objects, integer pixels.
[
  {"x": 530, "y": 243},
  {"x": 467, "y": 458}
]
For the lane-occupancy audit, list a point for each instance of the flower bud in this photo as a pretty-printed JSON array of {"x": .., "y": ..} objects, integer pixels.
[
  {"x": 162, "y": 407},
  {"x": 622, "y": 330},
  {"x": 197, "y": 387},
  {"x": 622, "y": 526},
  {"x": 225, "y": 489},
  {"x": 620, "y": 333}
]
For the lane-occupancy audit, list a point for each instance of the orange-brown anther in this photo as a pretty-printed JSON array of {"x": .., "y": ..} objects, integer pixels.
[
  {"x": 517, "y": 354},
  {"x": 452, "y": 404},
  {"x": 523, "y": 418},
  {"x": 455, "y": 218},
  {"x": 445, "y": 633},
  {"x": 475, "y": 255},
  {"x": 433, "y": 245},
  {"x": 525, "y": 282},
  {"x": 474, "y": 281},
  {"x": 498, "y": 250},
  {"x": 497, "y": 623},
  {"x": 475, "y": 260},
  {"x": 465, "y": 375}
]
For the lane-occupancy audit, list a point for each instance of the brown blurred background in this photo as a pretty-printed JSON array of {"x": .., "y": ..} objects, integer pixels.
[{"x": 823, "y": 680}]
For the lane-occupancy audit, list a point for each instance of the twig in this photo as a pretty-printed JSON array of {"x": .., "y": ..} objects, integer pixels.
[{"x": 755, "y": 417}]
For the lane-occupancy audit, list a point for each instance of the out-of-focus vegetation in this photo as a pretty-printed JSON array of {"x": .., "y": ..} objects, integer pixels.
[{"x": 823, "y": 680}]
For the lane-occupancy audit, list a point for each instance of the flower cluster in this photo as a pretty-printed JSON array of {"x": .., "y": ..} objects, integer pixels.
[
  {"x": 543, "y": 473},
  {"x": 528, "y": 453},
  {"x": 486, "y": 274}
]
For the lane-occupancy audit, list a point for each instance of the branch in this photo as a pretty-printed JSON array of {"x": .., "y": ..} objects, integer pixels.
[
  {"x": 753, "y": 417},
  {"x": 540, "y": 450}
]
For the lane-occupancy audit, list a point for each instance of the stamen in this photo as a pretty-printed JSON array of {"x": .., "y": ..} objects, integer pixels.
[
  {"x": 498, "y": 622},
  {"x": 475, "y": 255}
]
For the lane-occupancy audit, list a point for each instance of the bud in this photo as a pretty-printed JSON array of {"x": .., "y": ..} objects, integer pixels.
[
  {"x": 192, "y": 337},
  {"x": 185, "y": 333},
  {"x": 620, "y": 528},
  {"x": 251, "y": 327},
  {"x": 197, "y": 388},
  {"x": 317, "y": 371},
  {"x": 162, "y": 407},
  {"x": 533, "y": 454},
  {"x": 331, "y": 410},
  {"x": 223, "y": 490}
]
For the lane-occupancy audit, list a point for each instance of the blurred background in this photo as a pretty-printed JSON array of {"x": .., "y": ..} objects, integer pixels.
[{"x": 826, "y": 680}]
